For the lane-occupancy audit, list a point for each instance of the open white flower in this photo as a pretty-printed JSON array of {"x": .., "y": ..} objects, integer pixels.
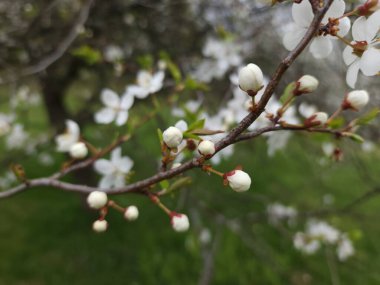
[
  {"x": 345, "y": 248},
  {"x": 364, "y": 54},
  {"x": 69, "y": 138},
  {"x": 114, "y": 170},
  {"x": 302, "y": 13},
  {"x": 147, "y": 83},
  {"x": 116, "y": 108}
]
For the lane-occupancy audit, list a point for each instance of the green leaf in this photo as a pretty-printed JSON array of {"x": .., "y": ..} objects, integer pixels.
[
  {"x": 354, "y": 137},
  {"x": 164, "y": 184},
  {"x": 192, "y": 84},
  {"x": 205, "y": 132},
  {"x": 159, "y": 133},
  {"x": 177, "y": 185},
  {"x": 368, "y": 117},
  {"x": 88, "y": 54},
  {"x": 337, "y": 123},
  {"x": 288, "y": 92},
  {"x": 145, "y": 61},
  {"x": 196, "y": 125},
  {"x": 172, "y": 67},
  {"x": 191, "y": 136}
]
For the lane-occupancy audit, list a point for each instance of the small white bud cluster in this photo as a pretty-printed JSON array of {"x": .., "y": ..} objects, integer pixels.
[
  {"x": 306, "y": 84},
  {"x": 317, "y": 119},
  {"x": 238, "y": 180},
  {"x": 172, "y": 137},
  {"x": 131, "y": 213},
  {"x": 78, "y": 150},
  {"x": 355, "y": 100},
  {"x": 97, "y": 200},
  {"x": 180, "y": 222},
  {"x": 251, "y": 79},
  {"x": 100, "y": 226},
  {"x": 206, "y": 148}
]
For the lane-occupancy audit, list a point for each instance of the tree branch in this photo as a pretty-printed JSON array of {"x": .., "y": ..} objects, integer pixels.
[{"x": 232, "y": 137}]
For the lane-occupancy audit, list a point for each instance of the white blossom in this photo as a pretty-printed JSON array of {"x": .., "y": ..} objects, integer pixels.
[
  {"x": 78, "y": 150},
  {"x": 172, "y": 137},
  {"x": 69, "y": 138},
  {"x": 345, "y": 248},
  {"x": 180, "y": 222},
  {"x": 147, "y": 83},
  {"x": 206, "y": 147},
  {"x": 97, "y": 199},
  {"x": 251, "y": 78},
  {"x": 303, "y": 15},
  {"x": 131, "y": 213},
  {"x": 356, "y": 100},
  {"x": 238, "y": 180},
  {"x": 17, "y": 137},
  {"x": 364, "y": 54},
  {"x": 100, "y": 226},
  {"x": 277, "y": 212},
  {"x": 114, "y": 170},
  {"x": 116, "y": 108},
  {"x": 304, "y": 243},
  {"x": 307, "y": 84},
  {"x": 318, "y": 118}
]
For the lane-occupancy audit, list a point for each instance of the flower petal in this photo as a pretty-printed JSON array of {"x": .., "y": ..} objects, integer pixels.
[
  {"x": 119, "y": 180},
  {"x": 121, "y": 118},
  {"x": 293, "y": 37},
  {"x": 373, "y": 25},
  {"x": 103, "y": 166},
  {"x": 124, "y": 164},
  {"x": 359, "y": 29},
  {"x": 72, "y": 128},
  {"x": 321, "y": 47},
  {"x": 370, "y": 62},
  {"x": 335, "y": 11},
  {"x": 348, "y": 55},
  {"x": 127, "y": 101},
  {"x": 115, "y": 155},
  {"x": 352, "y": 73},
  {"x": 105, "y": 116},
  {"x": 156, "y": 83},
  {"x": 137, "y": 91},
  {"x": 302, "y": 14},
  {"x": 182, "y": 125},
  {"x": 110, "y": 98},
  {"x": 344, "y": 26},
  {"x": 107, "y": 181}
]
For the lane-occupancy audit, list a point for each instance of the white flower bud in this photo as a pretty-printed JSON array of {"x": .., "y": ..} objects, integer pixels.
[
  {"x": 180, "y": 222},
  {"x": 97, "y": 199},
  {"x": 318, "y": 118},
  {"x": 206, "y": 148},
  {"x": 79, "y": 150},
  {"x": 172, "y": 137},
  {"x": 251, "y": 78},
  {"x": 100, "y": 226},
  {"x": 131, "y": 213},
  {"x": 175, "y": 165},
  {"x": 356, "y": 100},
  {"x": 238, "y": 180},
  {"x": 307, "y": 84}
]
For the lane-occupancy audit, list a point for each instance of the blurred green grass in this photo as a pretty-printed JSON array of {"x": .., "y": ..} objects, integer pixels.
[{"x": 46, "y": 236}]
